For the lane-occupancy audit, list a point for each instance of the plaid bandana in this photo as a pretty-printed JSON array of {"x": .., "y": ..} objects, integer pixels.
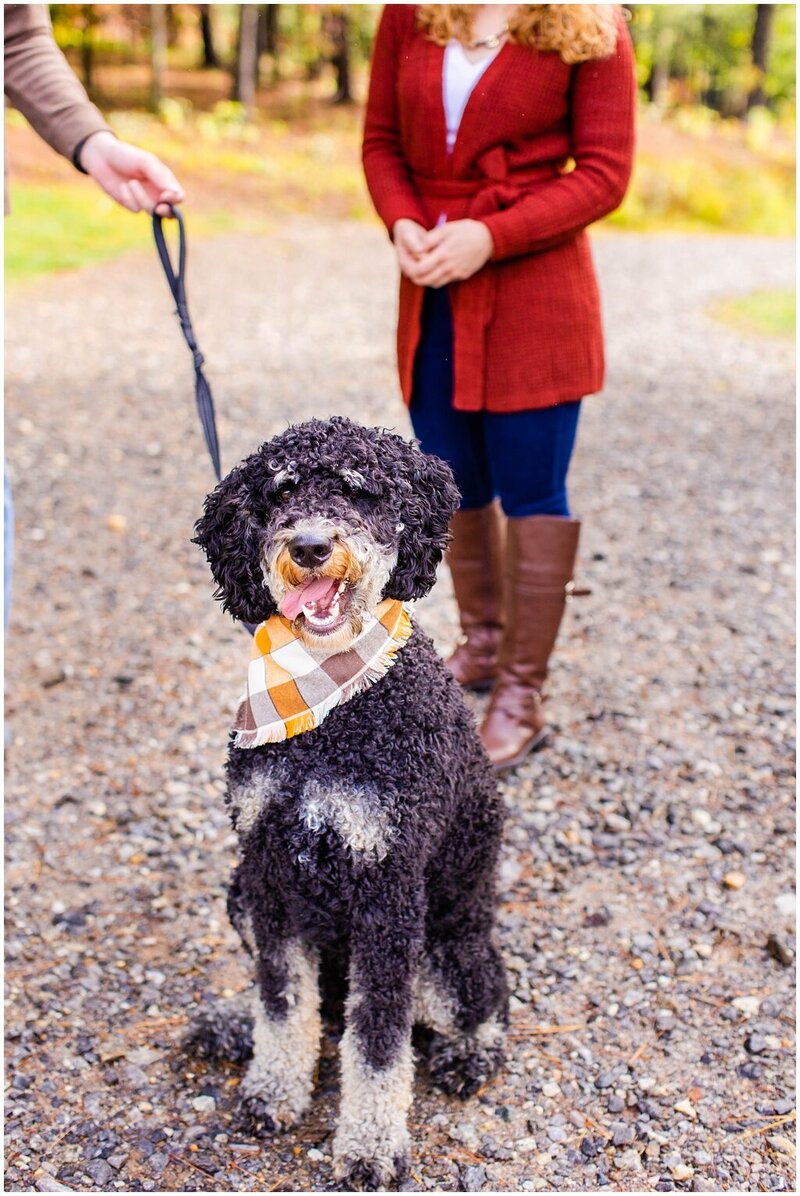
[{"x": 291, "y": 689}]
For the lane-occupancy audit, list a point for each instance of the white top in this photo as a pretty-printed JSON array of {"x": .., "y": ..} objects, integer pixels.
[{"x": 458, "y": 79}]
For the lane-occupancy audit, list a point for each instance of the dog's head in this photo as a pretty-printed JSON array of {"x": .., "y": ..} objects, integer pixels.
[{"x": 323, "y": 522}]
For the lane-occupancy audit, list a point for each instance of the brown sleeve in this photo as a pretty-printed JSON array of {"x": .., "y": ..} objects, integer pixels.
[{"x": 40, "y": 82}]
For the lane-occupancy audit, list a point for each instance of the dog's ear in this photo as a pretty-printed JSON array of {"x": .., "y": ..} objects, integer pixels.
[
  {"x": 231, "y": 540},
  {"x": 430, "y": 498}
]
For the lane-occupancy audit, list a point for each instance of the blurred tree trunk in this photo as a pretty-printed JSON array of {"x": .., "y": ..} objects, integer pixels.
[
  {"x": 246, "y": 71},
  {"x": 268, "y": 36},
  {"x": 268, "y": 28},
  {"x": 210, "y": 58},
  {"x": 658, "y": 82},
  {"x": 337, "y": 27},
  {"x": 158, "y": 53},
  {"x": 759, "y": 46},
  {"x": 87, "y": 46},
  {"x": 173, "y": 25}
]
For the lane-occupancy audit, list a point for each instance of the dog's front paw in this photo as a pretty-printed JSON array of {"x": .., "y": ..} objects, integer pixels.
[
  {"x": 368, "y": 1156},
  {"x": 357, "y": 1173},
  {"x": 269, "y": 1108},
  {"x": 460, "y": 1066},
  {"x": 255, "y": 1119}
]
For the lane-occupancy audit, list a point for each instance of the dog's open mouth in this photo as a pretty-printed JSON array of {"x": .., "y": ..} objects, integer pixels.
[{"x": 322, "y": 603}]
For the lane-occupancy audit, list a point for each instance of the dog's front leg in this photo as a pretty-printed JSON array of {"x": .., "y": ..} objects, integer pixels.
[
  {"x": 286, "y": 1035},
  {"x": 372, "y": 1146}
]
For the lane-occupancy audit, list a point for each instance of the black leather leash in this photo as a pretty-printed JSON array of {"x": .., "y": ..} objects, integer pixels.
[{"x": 176, "y": 281}]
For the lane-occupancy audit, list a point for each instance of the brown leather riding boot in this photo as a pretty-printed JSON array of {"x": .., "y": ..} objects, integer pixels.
[
  {"x": 540, "y": 561},
  {"x": 475, "y": 557}
]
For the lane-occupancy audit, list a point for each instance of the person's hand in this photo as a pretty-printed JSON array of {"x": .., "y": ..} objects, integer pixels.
[
  {"x": 453, "y": 252},
  {"x": 409, "y": 242},
  {"x": 133, "y": 177}
]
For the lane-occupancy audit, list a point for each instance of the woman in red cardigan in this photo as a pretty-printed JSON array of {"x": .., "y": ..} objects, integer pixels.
[{"x": 494, "y": 135}]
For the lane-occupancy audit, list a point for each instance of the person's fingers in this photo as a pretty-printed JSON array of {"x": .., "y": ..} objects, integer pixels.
[
  {"x": 416, "y": 238},
  {"x": 436, "y": 236},
  {"x": 412, "y": 261},
  {"x": 153, "y": 170},
  {"x": 434, "y": 257},
  {"x": 139, "y": 193},
  {"x": 173, "y": 196},
  {"x": 409, "y": 254},
  {"x": 410, "y": 244},
  {"x": 441, "y": 278},
  {"x": 123, "y": 195},
  {"x": 417, "y": 273},
  {"x": 430, "y": 268},
  {"x": 424, "y": 278},
  {"x": 151, "y": 199},
  {"x": 409, "y": 267},
  {"x": 166, "y": 200},
  {"x": 434, "y": 278}
]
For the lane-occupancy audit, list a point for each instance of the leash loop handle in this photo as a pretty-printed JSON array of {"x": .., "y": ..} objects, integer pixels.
[{"x": 176, "y": 281}]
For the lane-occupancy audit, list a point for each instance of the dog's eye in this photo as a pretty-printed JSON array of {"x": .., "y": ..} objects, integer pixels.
[
  {"x": 363, "y": 493},
  {"x": 283, "y": 481},
  {"x": 358, "y": 486}
]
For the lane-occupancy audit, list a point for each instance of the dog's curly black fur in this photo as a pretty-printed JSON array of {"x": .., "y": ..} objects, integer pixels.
[
  {"x": 404, "y": 496},
  {"x": 368, "y": 845}
]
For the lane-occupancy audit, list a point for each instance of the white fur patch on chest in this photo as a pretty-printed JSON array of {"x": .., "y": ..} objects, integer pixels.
[
  {"x": 354, "y": 812},
  {"x": 247, "y": 801}
]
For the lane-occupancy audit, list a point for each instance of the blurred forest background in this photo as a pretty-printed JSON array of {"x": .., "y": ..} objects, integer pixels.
[{"x": 258, "y": 109}]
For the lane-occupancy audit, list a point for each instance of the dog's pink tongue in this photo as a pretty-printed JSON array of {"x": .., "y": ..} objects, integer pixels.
[{"x": 312, "y": 591}]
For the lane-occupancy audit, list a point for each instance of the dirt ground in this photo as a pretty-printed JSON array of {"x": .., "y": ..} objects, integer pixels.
[{"x": 647, "y": 912}]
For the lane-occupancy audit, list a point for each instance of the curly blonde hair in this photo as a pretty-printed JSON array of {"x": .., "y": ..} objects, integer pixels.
[{"x": 577, "y": 32}]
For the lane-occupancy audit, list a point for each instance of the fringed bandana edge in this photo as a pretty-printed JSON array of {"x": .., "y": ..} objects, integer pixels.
[{"x": 291, "y": 689}]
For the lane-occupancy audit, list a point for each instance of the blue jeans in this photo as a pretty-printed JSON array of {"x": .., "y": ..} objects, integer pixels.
[{"x": 520, "y": 457}]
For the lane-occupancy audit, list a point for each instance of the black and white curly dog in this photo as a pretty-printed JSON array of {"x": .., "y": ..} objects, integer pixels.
[{"x": 367, "y": 846}]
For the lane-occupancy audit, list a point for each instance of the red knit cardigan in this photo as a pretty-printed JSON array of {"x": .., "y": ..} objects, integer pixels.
[{"x": 527, "y": 329}]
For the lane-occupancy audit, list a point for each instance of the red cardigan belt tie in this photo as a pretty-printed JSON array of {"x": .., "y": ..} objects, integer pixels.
[
  {"x": 527, "y": 328},
  {"x": 472, "y": 301}
]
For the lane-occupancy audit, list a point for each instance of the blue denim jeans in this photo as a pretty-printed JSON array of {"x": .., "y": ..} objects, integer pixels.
[{"x": 520, "y": 457}]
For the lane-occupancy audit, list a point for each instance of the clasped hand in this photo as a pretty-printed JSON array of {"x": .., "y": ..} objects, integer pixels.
[{"x": 448, "y": 253}]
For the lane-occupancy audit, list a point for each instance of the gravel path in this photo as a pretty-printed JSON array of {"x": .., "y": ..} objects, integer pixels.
[{"x": 648, "y": 903}]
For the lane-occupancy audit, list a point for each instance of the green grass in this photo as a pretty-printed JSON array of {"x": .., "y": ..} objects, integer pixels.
[
  {"x": 688, "y": 195},
  {"x": 57, "y": 227},
  {"x": 763, "y": 313},
  {"x": 63, "y": 226},
  {"x": 247, "y": 176}
]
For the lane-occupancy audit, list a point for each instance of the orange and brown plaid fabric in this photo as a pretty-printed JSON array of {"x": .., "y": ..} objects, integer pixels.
[{"x": 291, "y": 689}]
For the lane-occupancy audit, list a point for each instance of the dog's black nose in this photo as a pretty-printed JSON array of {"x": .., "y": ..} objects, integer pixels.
[{"x": 310, "y": 551}]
